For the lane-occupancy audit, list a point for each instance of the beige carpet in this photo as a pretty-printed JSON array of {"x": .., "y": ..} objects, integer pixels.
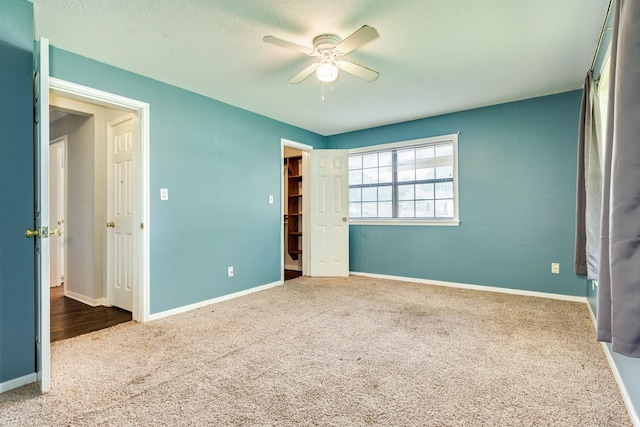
[{"x": 336, "y": 352}]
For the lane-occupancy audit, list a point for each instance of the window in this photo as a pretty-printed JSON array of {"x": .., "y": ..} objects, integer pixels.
[{"x": 410, "y": 182}]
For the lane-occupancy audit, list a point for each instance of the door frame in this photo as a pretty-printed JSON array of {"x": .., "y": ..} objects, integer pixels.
[
  {"x": 141, "y": 306},
  {"x": 306, "y": 204}
]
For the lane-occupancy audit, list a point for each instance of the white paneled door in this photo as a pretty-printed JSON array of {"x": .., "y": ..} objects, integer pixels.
[
  {"x": 329, "y": 187},
  {"x": 123, "y": 226},
  {"x": 57, "y": 201}
]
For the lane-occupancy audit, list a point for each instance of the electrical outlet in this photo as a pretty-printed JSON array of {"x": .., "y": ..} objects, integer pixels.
[
  {"x": 164, "y": 194},
  {"x": 230, "y": 271},
  {"x": 555, "y": 267}
]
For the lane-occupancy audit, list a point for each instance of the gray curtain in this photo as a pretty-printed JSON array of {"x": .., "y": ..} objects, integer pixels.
[
  {"x": 593, "y": 207},
  {"x": 619, "y": 275},
  {"x": 580, "y": 258},
  {"x": 589, "y": 194}
]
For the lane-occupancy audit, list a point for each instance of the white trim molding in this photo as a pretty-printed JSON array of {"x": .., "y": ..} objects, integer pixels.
[
  {"x": 141, "y": 299},
  {"x": 93, "y": 302},
  {"x": 18, "y": 382},
  {"x": 200, "y": 304},
  {"x": 635, "y": 419},
  {"x": 561, "y": 297}
]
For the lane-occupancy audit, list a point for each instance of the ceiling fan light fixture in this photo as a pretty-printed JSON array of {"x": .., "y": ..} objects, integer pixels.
[{"x": 327, "y": 72}]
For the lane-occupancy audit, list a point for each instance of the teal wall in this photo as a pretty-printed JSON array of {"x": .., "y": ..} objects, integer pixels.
[
  {"x": 220, "y": 164},
  {"x": 16, "y": 24},
  {"x": 17, "y": 290},
  {"x": 517, "y": 180}
]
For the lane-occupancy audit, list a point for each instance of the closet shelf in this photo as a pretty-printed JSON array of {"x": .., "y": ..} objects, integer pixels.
[{"x": 294, "y": 206}]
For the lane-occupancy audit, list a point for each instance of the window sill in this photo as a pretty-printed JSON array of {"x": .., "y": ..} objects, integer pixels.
[{"x": 416, "y": 222}]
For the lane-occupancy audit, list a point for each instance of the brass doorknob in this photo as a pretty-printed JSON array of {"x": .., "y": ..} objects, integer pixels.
[
  {"x": 111, "y": 224},
  {"x": 31, "y": 233}
]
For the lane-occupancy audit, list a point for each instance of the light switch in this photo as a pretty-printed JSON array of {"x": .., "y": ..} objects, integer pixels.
[
  {"x": 270, "y": 199},
  {"x": 164, "y": 194}
]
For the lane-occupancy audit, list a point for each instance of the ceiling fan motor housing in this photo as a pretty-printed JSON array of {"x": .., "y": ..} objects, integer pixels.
[{"x": 325, "y": 42}]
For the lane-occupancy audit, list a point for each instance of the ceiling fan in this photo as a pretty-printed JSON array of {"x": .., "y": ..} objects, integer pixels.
[{"x": 329, "y": 48}]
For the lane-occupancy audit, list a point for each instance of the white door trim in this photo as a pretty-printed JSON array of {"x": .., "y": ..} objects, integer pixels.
[
  {"x": 306, "y": 149},
  {"x": 141, "y": 305}
]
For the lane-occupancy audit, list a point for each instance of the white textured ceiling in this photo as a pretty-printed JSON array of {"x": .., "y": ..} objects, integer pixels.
[{"x": 434, "y": 56}]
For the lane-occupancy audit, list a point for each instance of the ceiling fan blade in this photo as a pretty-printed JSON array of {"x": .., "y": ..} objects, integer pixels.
[
  {"x": 357, "y": 39},
  {"x": 289, "y": 45},
  {"x": 358, "y": 70},
  {"x": 304, "y": 73}
]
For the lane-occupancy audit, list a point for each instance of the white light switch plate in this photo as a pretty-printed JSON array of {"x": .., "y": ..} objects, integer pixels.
[
  {"x": 270, "y": 199},
  {"x": 164, "y": 194}
]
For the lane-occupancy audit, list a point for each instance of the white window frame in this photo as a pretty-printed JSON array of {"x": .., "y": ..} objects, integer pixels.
[{"x": 455, "y": 221}]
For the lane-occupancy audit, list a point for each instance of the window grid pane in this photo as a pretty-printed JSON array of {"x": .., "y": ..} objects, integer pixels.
[{"x": 418, "y": 181}]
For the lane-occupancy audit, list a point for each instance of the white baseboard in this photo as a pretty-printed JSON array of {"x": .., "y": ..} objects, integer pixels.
[
  {"x": 18, "y": 382},
  {"x": 635, "y": 419},
  {"x": 93, "y": 302},
  {"x": 190, "y": 307},
  {"x": 561, "y": 297},
  {"x": 294, "y": 267}
]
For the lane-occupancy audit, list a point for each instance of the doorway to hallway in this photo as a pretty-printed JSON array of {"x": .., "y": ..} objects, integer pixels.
[{"x": 71, "y": 318}]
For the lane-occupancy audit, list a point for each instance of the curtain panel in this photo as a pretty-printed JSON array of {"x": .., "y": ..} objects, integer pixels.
[
  {"x": 589, "y": 188},
  {"x": 618, "y": 308},
  {"x": 580, "y": 263}
]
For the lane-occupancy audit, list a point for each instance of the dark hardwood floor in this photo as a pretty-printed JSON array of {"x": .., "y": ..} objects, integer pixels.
[
  {"x": 70, "y": 318},
  {"x": 291, "y": 274}
]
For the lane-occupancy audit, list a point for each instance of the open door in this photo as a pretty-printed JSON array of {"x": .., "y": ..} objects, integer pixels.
[
  {"x": 41, "y": 230},
  {"x": 329, "y": 191},
  {"x": 17, "y": 290}
]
